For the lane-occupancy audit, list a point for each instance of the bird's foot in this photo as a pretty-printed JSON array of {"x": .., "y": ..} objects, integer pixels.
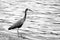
[{"x": 19, "y": 35}]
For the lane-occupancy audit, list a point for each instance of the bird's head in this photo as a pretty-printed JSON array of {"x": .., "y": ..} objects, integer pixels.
[{"x": 27, "y": 10}]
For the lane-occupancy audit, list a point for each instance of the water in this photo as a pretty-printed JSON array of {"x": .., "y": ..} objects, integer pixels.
[{"x": 39, "y": 23}]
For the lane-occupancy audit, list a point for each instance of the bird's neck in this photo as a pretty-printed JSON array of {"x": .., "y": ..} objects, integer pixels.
[{"x": 25, "y": 15}]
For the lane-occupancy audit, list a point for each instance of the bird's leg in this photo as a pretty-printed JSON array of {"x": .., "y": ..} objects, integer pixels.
[{"x": 18, "y": 32}]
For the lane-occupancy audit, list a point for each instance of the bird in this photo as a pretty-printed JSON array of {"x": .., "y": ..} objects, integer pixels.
[{"x": 20, "y": 22}]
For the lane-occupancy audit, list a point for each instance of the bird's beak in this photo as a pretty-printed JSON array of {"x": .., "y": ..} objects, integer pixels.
[{"x": 30, "y": 10}]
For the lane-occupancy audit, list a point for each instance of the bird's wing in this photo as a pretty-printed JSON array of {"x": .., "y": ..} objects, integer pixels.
[{"x": 18, "y": 22}]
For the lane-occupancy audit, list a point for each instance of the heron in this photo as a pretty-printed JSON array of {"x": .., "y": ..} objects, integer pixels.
[{"x": 19, "y": 23}]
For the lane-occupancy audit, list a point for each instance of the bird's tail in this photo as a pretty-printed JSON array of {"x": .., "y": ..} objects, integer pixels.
[{"x": 11, "y": 28}]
